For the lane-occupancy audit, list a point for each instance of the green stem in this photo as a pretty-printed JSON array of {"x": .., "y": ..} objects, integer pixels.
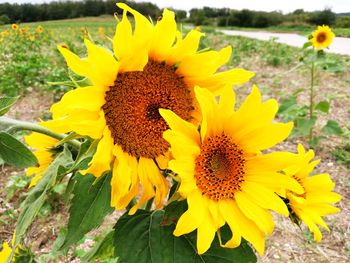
[
  {"x": 16, "y": 125},
  {"x": 311, "y": 109}
]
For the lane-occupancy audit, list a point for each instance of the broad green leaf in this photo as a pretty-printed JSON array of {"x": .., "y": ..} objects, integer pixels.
[
  {"x": 14, "y": 152},
  {"x": 304, "y": 126},
  {"x": 323, "y": 106},
  {"x": 6, "y": 103},
  {"x": 173, "y": 211},
  {"x": 143, "y": 238},
  {"x": 37, "y": 196},
  {"x": 1, "y": 161},
  {"x": 307, "y": 44},
  {"x": 104, "y": 249},
  {"x": 90, "y": 204},
  {"x": 332, "y": 128}
]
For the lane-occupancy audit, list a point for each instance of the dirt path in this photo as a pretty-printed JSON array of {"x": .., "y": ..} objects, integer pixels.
[{"x": 340, "y": 45}]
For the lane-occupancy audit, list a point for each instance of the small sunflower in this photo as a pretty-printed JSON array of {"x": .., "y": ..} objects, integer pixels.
[
  {"x": 44, "y": 152},
  {"x": 5, "y": 253},
  {"x": 322, "y": 37},
  {"x": 222, "y": 172},
  {"x": 40, "y": 29},
  {"x": 317, "y": 199},
  {"x": 151, "y": 67},
  {"x": 14, "y": 27}
]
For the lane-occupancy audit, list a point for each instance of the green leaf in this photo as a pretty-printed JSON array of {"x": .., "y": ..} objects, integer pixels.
[
  {"x": 143, "y": 238},
  {"x": 173, "y": 211},
  {"x": 304, "y": 126},
  {"x": 6, "y": 103},
  {"x": 90, "y": 204},
  {"x": 37, "y": 196},
  {"x": 323, "y": 106},
  {"x": 307, "y": 44},
  {"x": 104, "y": 249},
  {"x": 332, "y": 128},
  {"x": 15, "y": 153}
]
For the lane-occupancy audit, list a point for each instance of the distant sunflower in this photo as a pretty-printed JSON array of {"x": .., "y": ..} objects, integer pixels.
[
  {"x": 223, "y": 174},
  {"x": 322, "y": 37},
  {"x": 44, "y": 151},
  {"x": 317, "y": 199},
  {"x": 14, "y": 27},
  {"x": 146, "y": 72},
  {"x": 5, "y": 252},
  {"x": 40, "y": 29}
]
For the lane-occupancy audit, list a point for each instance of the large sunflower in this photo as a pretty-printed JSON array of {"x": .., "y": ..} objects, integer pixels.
[
  {"x": 318, "y": 197},
  {"x": 223, "y": 174},
  {"x": 322, "y": 37},
  {"x": 148, "y": 70}
]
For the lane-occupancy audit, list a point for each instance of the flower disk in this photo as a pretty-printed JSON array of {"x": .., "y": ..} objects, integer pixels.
[
  {"x": 132, "y": 104},
  {"x": 219, "y": 167}
]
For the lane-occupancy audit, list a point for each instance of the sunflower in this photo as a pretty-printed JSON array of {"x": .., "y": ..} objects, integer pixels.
[
  {"x": 223, "y": 174},
  {"x": 146, "y": 71},
  {"x": 14, "y": 27},
  {"x": 5, "y": 253},
  {"x": 44, "y": 146},
  {"x": 322, "y": 37},
  {"x": 40, "y": 29},
  {"x": 317, "y": 199}
]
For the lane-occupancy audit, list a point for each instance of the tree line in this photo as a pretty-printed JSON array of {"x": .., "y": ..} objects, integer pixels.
[{"x": 15, "y": 13}]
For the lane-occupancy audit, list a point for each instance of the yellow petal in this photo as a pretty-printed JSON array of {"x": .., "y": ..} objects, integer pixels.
[
  {"x": 265, "y": 198},
  {"x": 79, "y": 98},
  {"x": 193, "y": 217},
  {"x": 78, "y": 65},
  {"x": 208, "y": 107},
  {"x": 101, "y": 161},
  {"x": 179, "y": 125},
  {"x": 260, "y": 216},
  {"x": 216, "y": 82},
  {"x": 163, "y": 36},
  {"x": 103, "y": 66},
  {"x": 247, "y": 228},
  {"x": 205, "y": 233},
  {"x": 203, "y": 64},
  {"x": 186, "y": 47}
]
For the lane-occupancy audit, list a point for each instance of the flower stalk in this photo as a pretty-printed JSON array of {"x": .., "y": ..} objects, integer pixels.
[{"x": 16, "y": 125}]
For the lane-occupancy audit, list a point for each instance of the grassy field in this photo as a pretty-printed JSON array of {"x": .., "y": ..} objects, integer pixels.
[{"x": 29, "y": 60}]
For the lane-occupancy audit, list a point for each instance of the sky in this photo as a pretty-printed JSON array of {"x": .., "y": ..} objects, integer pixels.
[{"x": 338, "y": 6}]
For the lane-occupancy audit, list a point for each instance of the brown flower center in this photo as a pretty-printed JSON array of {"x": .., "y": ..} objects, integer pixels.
[
  {"x": 133, "y": 103},
  {"x": 219, "y": 168},
  {"x": 321, "y": 37}
]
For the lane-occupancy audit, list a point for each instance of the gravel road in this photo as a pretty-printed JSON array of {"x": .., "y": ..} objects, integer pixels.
[{"x": 340, "y": 45}]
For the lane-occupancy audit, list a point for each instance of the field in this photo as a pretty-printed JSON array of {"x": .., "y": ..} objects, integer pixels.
[{"x": 30, "y": 61}]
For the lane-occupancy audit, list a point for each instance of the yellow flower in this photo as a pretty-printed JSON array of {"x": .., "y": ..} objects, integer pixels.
[
  {"x": 322, "y": 37},
  {"x": 102, "y": 32},
  {"x": 43, "y": 145},
  {"x": 146, "y": 71},
  {"x": 223, "y": 174},
  {"x": 40, "y": 29},
  {"x": 14, "y": 26},
  {"x": 318, "y": 197},
  {"x": 5, "y": 253}
]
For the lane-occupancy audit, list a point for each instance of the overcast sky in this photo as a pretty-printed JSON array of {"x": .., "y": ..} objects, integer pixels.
[{"x": 338, "y": 6}]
